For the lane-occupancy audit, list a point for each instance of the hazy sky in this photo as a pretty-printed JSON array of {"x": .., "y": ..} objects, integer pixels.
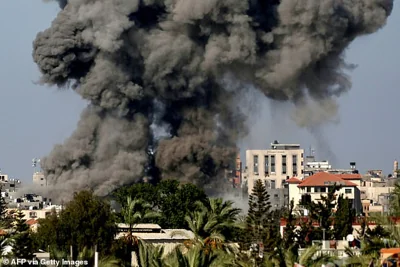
[{"x": 33, "y": 118}]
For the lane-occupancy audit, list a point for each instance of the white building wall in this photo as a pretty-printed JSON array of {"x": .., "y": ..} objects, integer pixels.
[
  {"x": 295, "y": 193},
  {"x": 372, "y": 193},
  {"x": 274, "y": 175}
]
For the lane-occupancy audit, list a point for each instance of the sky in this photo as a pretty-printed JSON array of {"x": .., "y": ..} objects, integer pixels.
[{"x": 33, "y": 118}]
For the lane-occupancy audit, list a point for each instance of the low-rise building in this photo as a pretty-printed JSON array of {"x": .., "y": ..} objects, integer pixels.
[
  {"x": 357, "y": 225},
  {"x": 311, "y": 188},
  {"x": 154, "y": 234},
  {"x": 32, "y": 213}
]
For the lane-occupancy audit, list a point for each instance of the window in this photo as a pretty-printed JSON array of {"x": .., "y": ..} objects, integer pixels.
[
  {"x": 283, "y": 164},
  {"x": 255, "y": 167},
  {"x": 272, "y": 164},
  {"x": 32, "y": 214},
  {"x": 42, "y": 178},
  {"x": 294, "y": 165},
  {"x": 266, "y": 169},
  {"x": 273, "y": 184},
  {"x": 347, "y": 191},
  {"x": 276, "y": 196},
  {"x": 283, "y": 181},
  {"x": 308, "y": 189},
  {"x": 323, "y": 189}
]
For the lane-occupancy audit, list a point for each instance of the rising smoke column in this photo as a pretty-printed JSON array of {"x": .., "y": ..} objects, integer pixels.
[{"x": 152, "y": 66}]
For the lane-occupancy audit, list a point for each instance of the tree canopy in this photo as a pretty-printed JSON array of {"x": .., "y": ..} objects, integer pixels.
[
  {"x": 171, "y": 199},
  {"x": 86, "y": 222}
]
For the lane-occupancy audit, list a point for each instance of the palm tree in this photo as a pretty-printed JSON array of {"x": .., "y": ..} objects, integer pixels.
[
  {"x": 212, "y": 221},
  {"x": 150, "y": 255},
  {"x": 4, "y": 244},
  {"x": 311, "y": 257},
  {"x": 136, "y": 211},
  {"x": 194, "y": 257},
  {"x": 363, "y": 260}
]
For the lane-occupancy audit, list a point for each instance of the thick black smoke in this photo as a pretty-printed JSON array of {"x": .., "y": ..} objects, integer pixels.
[{"x": 153, "y": 72}]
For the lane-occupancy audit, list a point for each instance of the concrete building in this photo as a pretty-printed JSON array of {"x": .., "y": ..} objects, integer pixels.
[
  {"x": 39, "y": 179},
  {"x": 33, "y": 213},
  {"x": 274, "y": 166},
  {"x": 312, "y": 166},
  {"x": 154, "y": 234},
  {"x": 311, "y": 188},
  {"x": 8, "y": 185}
]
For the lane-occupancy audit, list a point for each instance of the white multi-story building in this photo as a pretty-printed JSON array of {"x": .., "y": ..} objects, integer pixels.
[
  {"x": 274, "y": 166},
  {"x": 317, "y": 185}
]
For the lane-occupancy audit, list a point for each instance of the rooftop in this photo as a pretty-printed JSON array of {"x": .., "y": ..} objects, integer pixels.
[
  {"x": 349, "y": 176},
  {"x": 324, "y": 179},
  {"x": 140, "y": 226},
  {"x": 293, "y": 180}
]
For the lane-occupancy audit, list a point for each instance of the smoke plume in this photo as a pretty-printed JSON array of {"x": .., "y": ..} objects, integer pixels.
[{"x": 153, "y": 72}]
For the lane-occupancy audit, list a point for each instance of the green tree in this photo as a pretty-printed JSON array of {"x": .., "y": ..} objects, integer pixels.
[
  {"x": 373, "y": 240},
  {"x": 261, "y": 225},
  {"x": 343, "y": 219},
  {"x": 89, "y": 221},
  {"x": 135, "y": 211},
  {"x": 49, "y": 234},
  {"x": 310, "y": 257},
  {"x": 86, "y": 222},
  {"x": 22, "y": 245},
  {"x": 144, "y": 191},
  {"x": 194, "y": 257},
  {"x": 5, "y": 218},
  {"x": 290, "y": 237},
  {"x": 212, "y": 223},
  {"x": 321, "y": 212},
  {"x": 173, "y": 200},
  {"x": 395, "y": 201}
]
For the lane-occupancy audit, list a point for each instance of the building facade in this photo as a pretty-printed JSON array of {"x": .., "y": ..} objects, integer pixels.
[
  {"x": 274, "y": 166},
  {"x": 39, "y": 179},
  {"x": 317, "y": 185}
]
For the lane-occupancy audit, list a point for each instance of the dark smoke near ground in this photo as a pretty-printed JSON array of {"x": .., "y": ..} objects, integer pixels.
[{"x": 153, "y": 72}]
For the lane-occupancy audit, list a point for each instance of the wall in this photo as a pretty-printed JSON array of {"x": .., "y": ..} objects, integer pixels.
[
  {"x": 33, "y": 214},
  {"x": 39, "y": 179},
  {"x": 295, "y": 193},
  {"x": 373, "y": 192},
  {"x": 277, "y": 176}
]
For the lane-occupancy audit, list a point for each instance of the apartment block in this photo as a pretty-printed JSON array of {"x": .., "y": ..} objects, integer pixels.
[{"x": 274, "y": 166}]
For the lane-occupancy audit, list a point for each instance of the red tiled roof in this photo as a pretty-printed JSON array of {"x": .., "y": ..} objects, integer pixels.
[
  {"x": 351, "y": 176},
  {"x": 320, "y": 179},
  {"x": 31, "y": 222},
  {"x": 293, "y": 180}
]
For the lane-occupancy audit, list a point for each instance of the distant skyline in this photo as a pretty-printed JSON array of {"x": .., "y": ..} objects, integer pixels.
[{"x": 34, "y": 118}]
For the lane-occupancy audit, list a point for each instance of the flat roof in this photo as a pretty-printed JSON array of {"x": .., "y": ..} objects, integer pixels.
[{"x": 140, "y": 226}]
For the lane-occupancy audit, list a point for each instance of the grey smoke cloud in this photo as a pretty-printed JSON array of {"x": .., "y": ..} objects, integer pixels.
[{"x": 161, "y": 64}]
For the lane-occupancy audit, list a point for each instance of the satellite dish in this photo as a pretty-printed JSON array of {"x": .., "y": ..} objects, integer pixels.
[{"x": 350, "y": 238}]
